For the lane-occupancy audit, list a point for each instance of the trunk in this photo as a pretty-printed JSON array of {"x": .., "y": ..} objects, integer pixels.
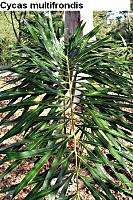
[{"x": 72, "y": 19}]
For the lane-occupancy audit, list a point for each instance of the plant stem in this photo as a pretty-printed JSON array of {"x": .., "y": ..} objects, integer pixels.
[
  {"x": 64, "y": 105},
  {"x": 72, "y": 126}
]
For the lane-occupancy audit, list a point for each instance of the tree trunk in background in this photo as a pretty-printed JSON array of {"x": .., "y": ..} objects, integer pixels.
[{"x": 72, "y": 19}]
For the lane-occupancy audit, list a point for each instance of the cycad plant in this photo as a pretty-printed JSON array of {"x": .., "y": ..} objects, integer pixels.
[{"x": 72, "y": 104}]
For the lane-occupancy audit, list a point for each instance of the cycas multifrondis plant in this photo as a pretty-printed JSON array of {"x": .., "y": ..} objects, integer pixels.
[{"x": 89, "y": 140}]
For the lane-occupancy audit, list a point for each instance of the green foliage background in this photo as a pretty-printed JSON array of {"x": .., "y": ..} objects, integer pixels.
[
  {"x": 6, "y": 30},
  {"x": 7, "y": 37}
]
